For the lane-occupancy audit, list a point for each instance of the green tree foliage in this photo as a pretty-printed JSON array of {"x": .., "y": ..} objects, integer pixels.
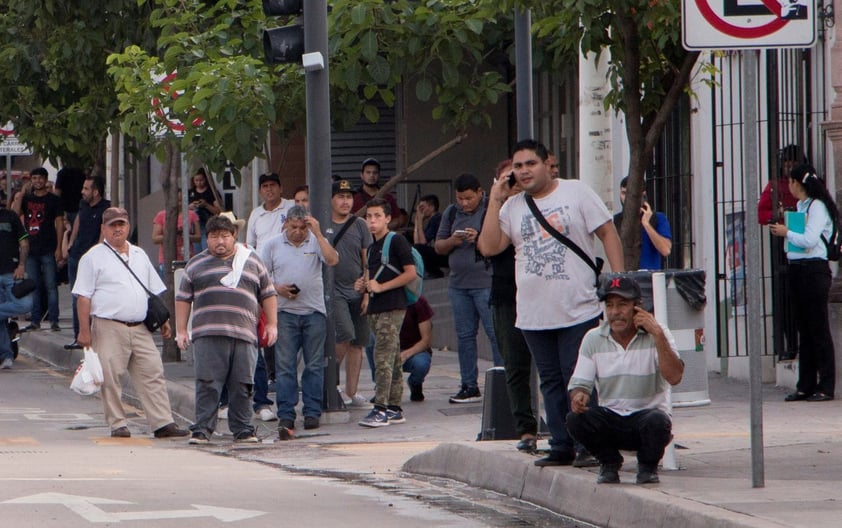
[
  {"x": 53, "y": 83},
  {"x": 648, "y": 71}
]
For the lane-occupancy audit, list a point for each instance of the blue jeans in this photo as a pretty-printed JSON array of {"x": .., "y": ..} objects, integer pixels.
[
  {"x": 42, "y": 269},
  {"x": 555, "y": 353},
  {"x": 470, "y": 307},
  {"x": 10, "y": 306},
  {"x": 418, "y": 366},
  {"x": 307, "y": 333}
]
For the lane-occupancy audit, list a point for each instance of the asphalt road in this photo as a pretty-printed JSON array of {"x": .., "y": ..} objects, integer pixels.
[{"x": 59, "y": 467}]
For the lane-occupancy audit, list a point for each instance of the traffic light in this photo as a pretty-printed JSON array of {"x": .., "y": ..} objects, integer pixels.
[{"x": 283, "y": 44}]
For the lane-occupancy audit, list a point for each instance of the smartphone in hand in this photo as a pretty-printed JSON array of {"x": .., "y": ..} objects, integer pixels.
[{"x": 294, "y": 289}]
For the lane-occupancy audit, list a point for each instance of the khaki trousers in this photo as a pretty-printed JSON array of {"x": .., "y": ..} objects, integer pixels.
[{"x": 130, "y": 349}]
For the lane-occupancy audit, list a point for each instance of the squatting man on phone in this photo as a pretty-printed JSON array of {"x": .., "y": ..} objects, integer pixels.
[{"x": 632, "y": 360}]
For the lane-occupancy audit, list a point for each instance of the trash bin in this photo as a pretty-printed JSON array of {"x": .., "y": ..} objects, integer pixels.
[{"x": 685, "y": 292}]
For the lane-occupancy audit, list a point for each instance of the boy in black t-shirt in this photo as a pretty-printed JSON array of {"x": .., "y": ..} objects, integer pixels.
[{"x": 385, "y": 303}]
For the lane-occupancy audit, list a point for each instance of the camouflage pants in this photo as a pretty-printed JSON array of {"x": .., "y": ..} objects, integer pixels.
[{"x": 388, "y": 378}]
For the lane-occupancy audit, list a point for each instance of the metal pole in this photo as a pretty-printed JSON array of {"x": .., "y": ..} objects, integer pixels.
[
  {"x": 9, "y": 181},
  {"x": 319, "y": 169},
  {"x": 523, "y": 72},
  {"x": 754, "y": 290}
]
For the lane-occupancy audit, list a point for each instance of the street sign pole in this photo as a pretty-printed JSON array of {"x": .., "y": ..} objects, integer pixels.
[{"x": 753, "y": 279}]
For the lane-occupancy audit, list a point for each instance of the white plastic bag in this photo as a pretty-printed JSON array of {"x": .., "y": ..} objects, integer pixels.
[{"x": 88, "y": 377}]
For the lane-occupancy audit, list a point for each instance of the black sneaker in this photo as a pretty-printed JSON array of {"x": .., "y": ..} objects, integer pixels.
[
  {"x": 416, "y": 393},
  {"x": 584, "y": 459},
  {"x": 73, "y": 346},
  {"x": 198, "y": 439},
  {"x": 467, "y": 395},
  {"x": 55, "y": 327},
  {"x": 556, "y": 458},
  {"x": 647, "y": 474},
  {"x": 286, "y": 430},
  {"x": 31, "y": 327},
  {"x": 311, "y": 422},
  {"x": 609, "y": 474},
  {"x": 245, "y": 437}
]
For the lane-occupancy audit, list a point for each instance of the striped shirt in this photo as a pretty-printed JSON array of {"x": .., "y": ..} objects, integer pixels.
[
  {"x": 627, "y": 379},
  {"x": 219, "y": 310}
]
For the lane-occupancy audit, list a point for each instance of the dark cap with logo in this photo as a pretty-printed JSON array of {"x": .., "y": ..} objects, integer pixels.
[
  {"x": 114, "y": 214},
  {"x": 622, "y": 286},
  {"x": 271, "y": 177},
  {"x": 342, "y": 186}
]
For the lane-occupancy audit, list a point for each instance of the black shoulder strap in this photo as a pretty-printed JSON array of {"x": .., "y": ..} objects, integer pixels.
[
  {"x": 341, "y": 232},
  {"x": 149, "y": 293},
  {"x": 558, "y": 236}
]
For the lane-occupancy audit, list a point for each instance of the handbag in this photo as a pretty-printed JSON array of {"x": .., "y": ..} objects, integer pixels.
[
  {"x": 23, "y": 287},
  {"x": 157, "y": 312},
  {"x": 88, "y": 378},
  {"x": 595, "y": 266}
]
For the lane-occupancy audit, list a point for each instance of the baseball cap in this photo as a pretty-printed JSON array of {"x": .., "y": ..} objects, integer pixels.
[
  {"x": 272, "y": 176},
  {"x": 114, "y": 214},
  {"x": 370, "y": 161},
  {"x": 238, "y": 222},
  {"x": 342, "y": 186},
  {"x": 622, "y": 286}
]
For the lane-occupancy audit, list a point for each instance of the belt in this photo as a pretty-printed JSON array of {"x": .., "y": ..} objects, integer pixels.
[{"x": 127, "y": 323}]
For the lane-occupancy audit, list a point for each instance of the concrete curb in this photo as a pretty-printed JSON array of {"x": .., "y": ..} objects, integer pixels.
[{"x": 572, "y": 492}]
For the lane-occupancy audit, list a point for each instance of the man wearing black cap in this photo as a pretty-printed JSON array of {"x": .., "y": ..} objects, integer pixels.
[
  {"x": 351, "y": 238},
  {"x": 632, "y": 360},
  {"x": 370, "y": 176}
]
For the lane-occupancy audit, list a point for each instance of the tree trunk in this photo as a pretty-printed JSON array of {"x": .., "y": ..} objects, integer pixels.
[{"x": 169, "y": 183}]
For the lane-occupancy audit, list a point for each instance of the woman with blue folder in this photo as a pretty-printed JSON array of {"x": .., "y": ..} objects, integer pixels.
[{"x": 806, "y": 231}]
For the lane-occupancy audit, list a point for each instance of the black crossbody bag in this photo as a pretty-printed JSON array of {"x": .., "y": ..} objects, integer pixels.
[
  {"x": 156, "y": 309},
  {"x": 595, "y": 266}
]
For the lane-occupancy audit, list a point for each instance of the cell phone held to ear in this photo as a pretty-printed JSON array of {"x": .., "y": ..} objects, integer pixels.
[{"x": 511, "y": 179}]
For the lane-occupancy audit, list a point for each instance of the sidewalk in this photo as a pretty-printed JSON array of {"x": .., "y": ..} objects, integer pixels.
[{"x": 803, "y": 453}]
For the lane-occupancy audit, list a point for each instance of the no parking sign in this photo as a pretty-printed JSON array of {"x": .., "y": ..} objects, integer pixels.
[{"x": 748, "y": 24}]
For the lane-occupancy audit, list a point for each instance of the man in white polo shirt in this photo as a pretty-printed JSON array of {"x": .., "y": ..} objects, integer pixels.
[
  {"x": 267, "y": 220},
  {"x": 632, "y": 360},
  {"x": 112, "y": 304}
]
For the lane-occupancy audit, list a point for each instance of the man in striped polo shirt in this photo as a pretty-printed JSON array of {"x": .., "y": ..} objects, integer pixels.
[
  {"x": 632, "y": 360},
  {"x": 225, "y": 286}
]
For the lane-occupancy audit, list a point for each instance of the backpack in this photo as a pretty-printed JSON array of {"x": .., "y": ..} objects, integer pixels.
[
  {"x": 413, "y": 289},
  {"x": 834, "y": 245}
]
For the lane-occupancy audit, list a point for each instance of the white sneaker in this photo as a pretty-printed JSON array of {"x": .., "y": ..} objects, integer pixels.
[
  {"x": 7, "y": 364},
  {"x": 266, "y": 415},
  {"x": 358, "y": 401},
  {"x": 344, "y": 397},
  {"x": 222, "y": 413}
]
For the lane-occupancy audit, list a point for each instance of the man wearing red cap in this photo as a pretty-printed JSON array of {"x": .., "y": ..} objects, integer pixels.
[{"x": 632, "y": 360}]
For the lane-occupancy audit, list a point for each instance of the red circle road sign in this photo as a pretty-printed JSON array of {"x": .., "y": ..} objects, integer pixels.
[{"x": 739, "y": 31}]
